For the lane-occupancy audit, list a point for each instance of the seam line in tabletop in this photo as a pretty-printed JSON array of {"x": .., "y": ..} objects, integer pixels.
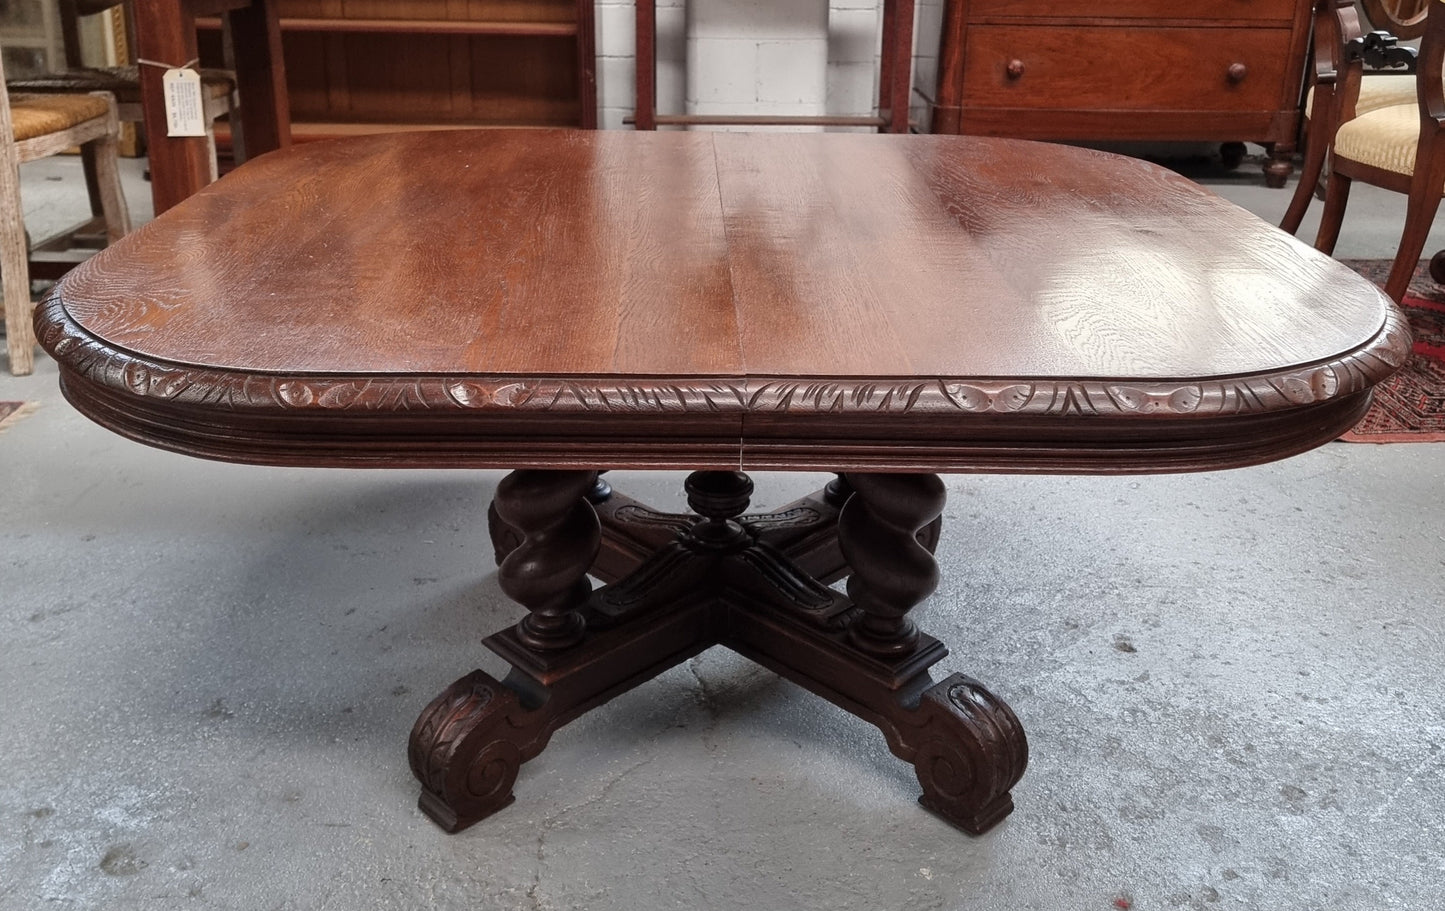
[
  {"x": 722, "y": 215},
  {"x": 733, "y": 296}
]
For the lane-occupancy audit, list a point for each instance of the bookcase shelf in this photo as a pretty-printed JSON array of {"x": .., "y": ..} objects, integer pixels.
[{"x": 355, "y": 66}]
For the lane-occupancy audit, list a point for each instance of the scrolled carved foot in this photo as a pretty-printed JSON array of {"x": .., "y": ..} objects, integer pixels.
[
  {"x": 971, "y": 751},
  {"x": 465, "y": 751}
]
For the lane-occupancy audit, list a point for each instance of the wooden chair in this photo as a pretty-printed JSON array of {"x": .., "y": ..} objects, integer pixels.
[
  {"x": 1399, "y": 147},
  {"x": 37, "y": 126},
  {"x": 1338, "y": 38},
  {"x": 218, "y": 87}
]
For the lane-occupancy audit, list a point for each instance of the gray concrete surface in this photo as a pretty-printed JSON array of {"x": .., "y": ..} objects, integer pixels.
[{"x": 1231, "y": 682}]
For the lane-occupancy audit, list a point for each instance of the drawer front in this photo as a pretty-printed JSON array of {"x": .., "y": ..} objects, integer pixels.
[
  {"x": 1125, "y": 69},
  {"x": 1255, "y": 10}
]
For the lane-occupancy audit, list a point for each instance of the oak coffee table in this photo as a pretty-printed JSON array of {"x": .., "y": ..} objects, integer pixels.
[{"x": 886, "y": 308}]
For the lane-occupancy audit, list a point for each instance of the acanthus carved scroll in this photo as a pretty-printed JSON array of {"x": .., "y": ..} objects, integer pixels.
[
  {"x": 968, "y": 752},
  {"x": 466, "y": 750}
]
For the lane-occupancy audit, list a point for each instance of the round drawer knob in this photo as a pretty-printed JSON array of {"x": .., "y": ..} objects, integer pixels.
[
  {"x": 1237, "y": 72},
  {"x": 1015, "y": 69}
]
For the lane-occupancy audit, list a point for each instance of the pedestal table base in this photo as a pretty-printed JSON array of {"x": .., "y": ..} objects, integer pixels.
[{"x": 679, "y": 584}]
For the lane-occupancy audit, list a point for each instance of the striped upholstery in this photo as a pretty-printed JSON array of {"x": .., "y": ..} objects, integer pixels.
[
  {"x": 1384, "y": 138},
  {"x": 1377, "y": 91},
  {"x": 37, "y": 115}
]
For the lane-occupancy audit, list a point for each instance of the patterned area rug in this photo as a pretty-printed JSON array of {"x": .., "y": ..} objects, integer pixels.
[
  {"x": 10, "y": 412},
  {"x": 1409, "y": 407}
]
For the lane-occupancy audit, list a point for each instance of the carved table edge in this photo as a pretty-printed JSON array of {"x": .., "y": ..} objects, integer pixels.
[{"x": 93, "y": 360}]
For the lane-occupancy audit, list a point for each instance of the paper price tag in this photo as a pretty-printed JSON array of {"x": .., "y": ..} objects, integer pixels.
[{"x": 184, "y": 116}]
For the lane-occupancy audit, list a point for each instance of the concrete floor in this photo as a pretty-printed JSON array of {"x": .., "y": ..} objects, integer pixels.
[{"x": 1231, "y": 682}]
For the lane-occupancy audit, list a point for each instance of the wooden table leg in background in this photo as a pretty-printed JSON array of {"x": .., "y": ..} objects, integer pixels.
[
  {"x": 260, "y": 77},
  {"x": 166, "y": 34},
  {"x": 645, "y": 60},
  {"x": 895, "y": 72}
]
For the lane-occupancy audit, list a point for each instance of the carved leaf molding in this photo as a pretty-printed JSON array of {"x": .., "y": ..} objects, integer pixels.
[{"x": 108, "y": 366}]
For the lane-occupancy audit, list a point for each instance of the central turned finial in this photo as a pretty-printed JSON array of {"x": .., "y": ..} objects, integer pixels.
[{"x": 719, "y": 497}]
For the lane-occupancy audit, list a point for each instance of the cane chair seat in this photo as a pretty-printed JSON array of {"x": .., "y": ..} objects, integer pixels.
[{"x": 39, "y": 115}]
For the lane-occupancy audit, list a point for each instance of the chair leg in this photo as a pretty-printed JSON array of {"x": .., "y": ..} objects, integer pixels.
[
  {"x": 1418, "y": 218},
  {"x": 1309, "y": 178},
  {"x": 1437, "y": 267},
  {"x": 15, "y": 271},
  {"x": 1337, "y": 194},
  {"x": 1424, "y": 201},
  {"x": 238, "y": 132},
  {"x": 211, "y": 150},
  {"x": 213, "y": 110},
  {"x": 107, "y": 173},
  {"x": 92, "y": 187}
]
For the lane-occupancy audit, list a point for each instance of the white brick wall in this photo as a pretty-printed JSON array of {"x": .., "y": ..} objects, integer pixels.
[{"x": 750, "y": 56}]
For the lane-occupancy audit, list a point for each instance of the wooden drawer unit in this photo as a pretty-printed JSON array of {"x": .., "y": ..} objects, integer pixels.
[{"x": 1226, "y": 70}]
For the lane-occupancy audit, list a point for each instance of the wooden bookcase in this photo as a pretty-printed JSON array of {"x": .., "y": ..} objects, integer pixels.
[{"x": 356, "y": 66}]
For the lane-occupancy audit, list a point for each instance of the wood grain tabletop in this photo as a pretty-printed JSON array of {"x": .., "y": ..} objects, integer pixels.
[{"x": 787, "y": 288}]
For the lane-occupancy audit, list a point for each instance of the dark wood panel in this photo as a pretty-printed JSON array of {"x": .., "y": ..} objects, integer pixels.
[
  {"x": 497, "y": 10},
  {"x": 524, "y": 80},
  {"x": 306, "y": 74},
  {"x": 563, "y": 28},
  {"x": 433, "y": 79},
  {"x": 468, "y": 62}
]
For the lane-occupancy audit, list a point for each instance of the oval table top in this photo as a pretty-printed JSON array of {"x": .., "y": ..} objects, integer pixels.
[{"x": 691, "y": 300}]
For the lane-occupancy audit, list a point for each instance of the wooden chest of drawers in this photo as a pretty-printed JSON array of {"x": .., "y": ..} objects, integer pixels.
[{"x": 1226, "y": 70}]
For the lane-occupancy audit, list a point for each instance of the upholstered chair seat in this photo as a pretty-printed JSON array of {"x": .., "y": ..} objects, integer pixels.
[{"x": 1385, "y": 138}]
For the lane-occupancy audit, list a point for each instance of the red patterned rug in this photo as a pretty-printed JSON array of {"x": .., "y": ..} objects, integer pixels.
[
  {"x": 1409, "y": 407},
  {"x": 10, "y": 412}
]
